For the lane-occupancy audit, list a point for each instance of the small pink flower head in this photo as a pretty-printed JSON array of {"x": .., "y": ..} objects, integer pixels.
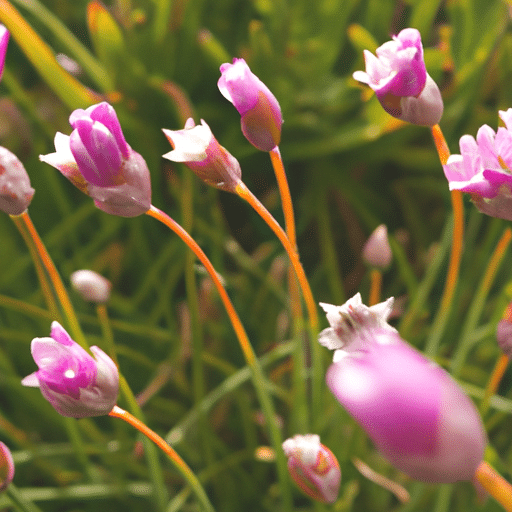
[
  {"x": 4, "y": 40},
  {"x": 261, "y": 114},
  {"x": 75, "y": 383},
  {"x": 198, "y": 149},
  {"x": 92, "y": 286},
  {"x": 6, "y": 467},
  {"x": 414, "y": 412},
  {"x": 484, "y": 168},
  {"x": 400, "y": 80},
  {"x": 377, "y": 251},
  {"x": 97, "y": 159},
  {"x": 313, "y": 467},
  {"x": 15, "y": 190}
]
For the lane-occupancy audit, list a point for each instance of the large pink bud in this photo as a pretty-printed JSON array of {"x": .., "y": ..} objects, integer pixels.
[{"x": 414, "y": 412}]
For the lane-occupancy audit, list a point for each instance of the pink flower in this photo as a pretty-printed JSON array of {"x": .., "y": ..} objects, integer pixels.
[
  {"x": 198, "y": 149},
  {"x": 313, "y": 467},
  {"x": 4, "y": 40},
  {"x": 6, "y": 467},
  {"x": 75, "y": 383},
  {"x": 15, "y": 190},
  {"x": 400, "y": 80},
  {"x": 261, "y": 114},
  {"x": 414, "y": 412},
  {"x": 484, "y": 167},
  {"x": 97, "y": 159}
]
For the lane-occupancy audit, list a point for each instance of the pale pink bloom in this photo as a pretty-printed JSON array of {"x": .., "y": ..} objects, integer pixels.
[{"x": 15, "y": 190}]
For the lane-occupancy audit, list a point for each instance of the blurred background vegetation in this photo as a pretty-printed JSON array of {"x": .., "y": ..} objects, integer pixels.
[{"x": 350, "y": 166}]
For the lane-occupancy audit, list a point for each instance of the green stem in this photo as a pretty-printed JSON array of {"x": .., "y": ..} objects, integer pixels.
[{"x": 22, "y": 504}]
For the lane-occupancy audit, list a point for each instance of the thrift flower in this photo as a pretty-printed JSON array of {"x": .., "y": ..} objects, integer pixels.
[
  {"x": 414, "y": 412},
  {"x": 15, "y": 190},
  {"x": 484, "y": 168},
  {"x": 198, "y": 149},
  {"x": 4, "y": 40},
  {"x": 377, "y": 251},
  {"x": 400, "y": 80},
  {"x": 97, "y": 159},
  {"x": 75, "y": 383},
  {"x": 6, "y": 467},
  {"x": 261, "y": 114},
  {"x": 313, "y": 467},
  {"x": 91, "y": 286}
]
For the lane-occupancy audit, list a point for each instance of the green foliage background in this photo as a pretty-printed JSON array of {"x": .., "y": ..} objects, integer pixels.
[{"x": 350, "y": 168}]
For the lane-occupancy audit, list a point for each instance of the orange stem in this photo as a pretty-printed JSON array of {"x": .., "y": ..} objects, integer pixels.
[
  {"x": 243, "y": 339},
  {"x": 495, "y": 485},
  {"x": 289, "y": 222},
  {"x": 247, "y": 195},
  {"x": 376, "y": 284},
  {"x": 250, "y": 357},
  {"x": 180, "y": 464},
  {"x": 441, "y": 145},
  {"x": 456, "y": 252},
  {"x": 494, "y": 381},
  {"x": 56, "y": 281},
  {"x": 458, "y": 223},
  {"x": 284, "y": 192}
]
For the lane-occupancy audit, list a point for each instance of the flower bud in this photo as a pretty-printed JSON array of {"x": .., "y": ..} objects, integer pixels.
[
  {"x": 313, "y": 467},
  {"x": 15, "y": 190},
  {"x": 97, "y": 159},
  {"x": 261, "y": 114},
  {"x": 414, "y": 412},
  {"x": 6, "y": 467},
  {"x": 75, "y": 383},
  {"x": 198, "y": 149},
  {"x": 91, "y": 286},
  {"x": 377, "y": 251},
  {"x": 400, "y": 80}
]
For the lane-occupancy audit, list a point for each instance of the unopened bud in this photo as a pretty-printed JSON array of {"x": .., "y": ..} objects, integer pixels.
[
  {"x": 15, "y": 190},
  {"x": 377, "y": 251},
  {"x": 91, "y": 286},
  {"x": 313, "y": 467},
  {"x": 6, "y": 467}
]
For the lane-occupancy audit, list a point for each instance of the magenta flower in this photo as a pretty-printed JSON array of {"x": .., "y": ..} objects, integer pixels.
[
  {"x": 75, "y": 383},
  {"x": 414, "y": 412},
  {"x": 4, "y": 40},
  {"x": 6, "y": 467},
  {"x": 97, "y": 159},
  {"x": 400, "y": 80},
  {"x": 15, "y": 190},
  {"x": 484, "y": 167},
  {"x": 261, "y": 114},
  {"x": 198, "y": 149},
  {"x": 313, "y": 467}
]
